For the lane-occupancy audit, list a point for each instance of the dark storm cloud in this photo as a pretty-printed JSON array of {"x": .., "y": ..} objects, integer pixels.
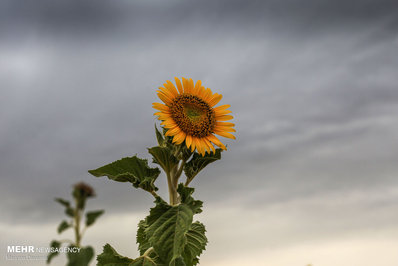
[
  {"x": 312, "y": 87},
  {"x": 94, "y": 17}
]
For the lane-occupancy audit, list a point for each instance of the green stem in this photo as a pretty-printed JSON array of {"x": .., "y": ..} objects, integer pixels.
[
  {"x": 77, "y": 225},
  {"x": 83, "y": 231},
  {"x": 187, "y": 182},
  {"x": 172, "y": 190},
  {"x": 177, "y": 152},
  {"x": 172, "y": 179},
  {"x": 179, "y": 171},
  {"x": 154, "y": 194},
  {"x": 148, "y": 251}
]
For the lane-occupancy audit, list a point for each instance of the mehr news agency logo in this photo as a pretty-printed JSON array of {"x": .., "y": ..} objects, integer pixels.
[{"x": 36, "y": 253}]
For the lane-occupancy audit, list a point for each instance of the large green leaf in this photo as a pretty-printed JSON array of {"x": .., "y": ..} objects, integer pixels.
[
  {"x": 54, "y": 244},
  {"x": 196, "y": 243},
  {"x": 155, "y": 212},
  {"x": 63, "y": 226},
  {"x": 130, "y": 169},
  {"x": 142, "y": 239},
  {"x": 109, "y": 257},
  {"x": 186, "y": 197},
  {"x": 198, "y": 162},
  {"x": 92, "y": 216},
  {"x": 166, "y": 231},
  {"x": 164, "y": 157},
  {"x": 81, "y": 258},
  {"x": 169, "y": 230}
]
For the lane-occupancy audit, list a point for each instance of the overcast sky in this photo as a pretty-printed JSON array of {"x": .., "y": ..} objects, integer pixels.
[{"x": 312, "y": 175}]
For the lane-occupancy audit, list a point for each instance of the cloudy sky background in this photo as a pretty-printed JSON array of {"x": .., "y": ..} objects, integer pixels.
[{"x": 312, "y": 176}]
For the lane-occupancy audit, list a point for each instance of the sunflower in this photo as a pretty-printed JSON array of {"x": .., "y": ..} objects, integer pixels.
[{"x": 189, "y": 115}]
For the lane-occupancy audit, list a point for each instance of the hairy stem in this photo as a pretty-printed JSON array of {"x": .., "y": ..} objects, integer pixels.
[
  {"x": 172, "y": 189},
  {"x": 179, "y": 171},
  {"x": 172, "y": 178},
  {"x": 77, "y": 225},
  {"x": 187, "y": 182},
  {"x": 154, "y": 194},
  {"x": 148, "y": 251}
]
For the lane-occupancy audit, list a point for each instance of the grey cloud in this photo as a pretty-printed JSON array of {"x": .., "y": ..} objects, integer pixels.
[{"x": 312, "y": 88}]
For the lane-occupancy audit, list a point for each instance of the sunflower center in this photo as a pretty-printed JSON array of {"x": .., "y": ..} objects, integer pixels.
[{"x": 193, "y": 116}]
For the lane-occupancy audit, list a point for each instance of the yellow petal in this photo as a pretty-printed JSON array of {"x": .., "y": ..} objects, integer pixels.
[
  {"x": 186, "y": 86},
  {"x": 167, "y": 92},
  {"x": 163, "y": 116},
  {"x": 201, "y": 91},
  {"x": 222, "y": 112},
  {"x": 193, "y": 145},
  {"x": 216, "y": 141},
  {"x": 209, "y": 145},
  {"x": 200, "y": 147},
  {"x": 191, "y": 85},
  {"x": 179, "y": 86},
  {"x": 196, "y": 89},
  {"x": 224, "y": 117},
  {"x": 161, "y": 107},
  {"x": 188, "y": 140},
  {"x": 203, "y": 146},
  {"x": 164, "y": 98},
  {"x": 221, "y": 107},
  {"x": 227, "y": 129},
  {"x": 206, "y": 145},
  {"x": 214, "y": 99},
  {"x": 173, "y": 131},
  {"x": 171, "y": 88},
  {"x": 169, "y": 123},
  {"x": 207, "y": 94},
  {"x": 224, "y": 134},
  {"x": 179, "y": 138},
  {"x": 226, "y": 124},
  {"x": 163, "y": 113}
]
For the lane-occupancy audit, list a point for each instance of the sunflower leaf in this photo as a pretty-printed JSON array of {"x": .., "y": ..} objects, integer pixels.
[
  {"x": 55, "y": 245},
  {"x": 130, "y": 169},
  {"x": 63, "y": 202},
  {"x": 166, "y": 228},
  {"x": 186, "y": 197},
  {"x": 196, "y": 243},
  {"x": 109, "y": 257},
  {"x": 92, "y": 216},
  {"x": 199, "y": 162},
  {"x": 142, "y": 239},
  {"x": 81, "y": 258},
  {"x": 164, "y": 157},
  {"x": 63, "y": 226},
  {"x": 143, "y": 242},
  {"x": 68, "y": 209}
]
